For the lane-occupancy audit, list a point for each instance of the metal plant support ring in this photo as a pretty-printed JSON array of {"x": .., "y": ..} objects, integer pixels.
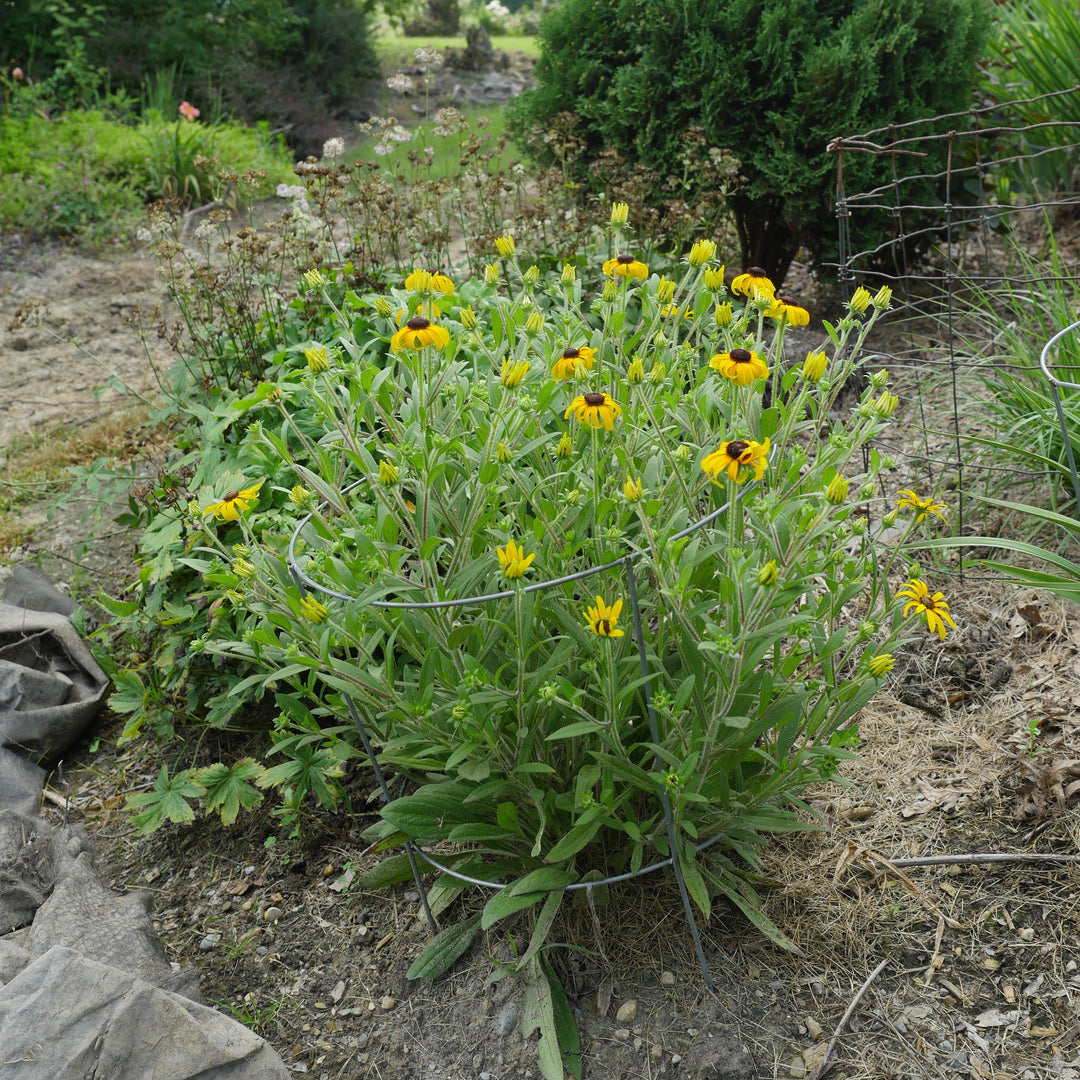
[
  {"x": 303, "y": 581},
  {"x": 1055, "y": 384}
]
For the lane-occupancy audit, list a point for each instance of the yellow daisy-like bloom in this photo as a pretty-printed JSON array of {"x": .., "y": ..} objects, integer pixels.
[
  {"x": 789, "y": 310},
  {"x": 619, "y": 213},
  {"x": 594, "y": 409},
  {"x": 754, "y": 284},
  {"x": 714, "y": 278},
  {"x": 230, "y": 507},
  {"x": 419, "y": 332},
  {"x": 313, "y": 278},
  {"x": 922, "y": 507},
  {"x": 669, "y": 311},
  {"x": 741, "y": 366},
  {"x": 626, "y": 266},
  {"x": 702, "y": 252},
  {"x": 513, "y": 560},
  {"x": 312, "y": 610},
  {"x": 603, "y": 620},
  {"x": 513, "y": 371},
  {"x": 574, "y": 362},
  {"x": 632, "y": 490},
  {"x": 735, "y": 459},
  {"x": 932, "y": 608},
  {"x": 429, "y": 280}
]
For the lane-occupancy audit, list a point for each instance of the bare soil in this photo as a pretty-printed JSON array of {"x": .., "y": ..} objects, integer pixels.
[{"x": 971, "y": 749}]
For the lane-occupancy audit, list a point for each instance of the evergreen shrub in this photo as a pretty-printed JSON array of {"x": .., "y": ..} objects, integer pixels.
[{"x": 771, "y": 82}]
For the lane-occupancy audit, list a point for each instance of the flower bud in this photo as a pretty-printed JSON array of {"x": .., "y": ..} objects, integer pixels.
[
  {"x": 312, "y": 610},
  {"x": 860, "y": 301},
  {"x": 722, "y": 314},
  {"x": 619, "y": 213},
  {"x": 858, "y": 525},
  {"x": 702, "y": 252},
  {"x": 317, "y": 360},
  {"x": 505, "y": 246},
  {"x": 383, "y": 307},
  {"x": 491, "y": 274},
  {"x": 572, "y": 497},
  {"x": 885, "y": 403},
  {"x": 313, "y": 278},
  {"x": 868, "y": 490},
  {"x": 532, "y": 275},
  {"x": 388, "y": 473},
  {"x": 635, "y": 373},
  {"x": 879, "y": 379},
  {"x": 299, "y": 496},
  {"x": 665, "y": 290},
  {"x": 883, "y": 298},
  {"x": 274, "y": 394},
  {"x": 548, "y": 692},
  {"x": 813, "y": 368},
  {"x": 503, "y": 454},
  {"x": 632, "y": 490},
  {"x": 534, "y": 323},
  {"x": 468, "y": 317},
  {"x": 565, "y": 447},
  {"x": 881, "y": 665},
  {"x": 611, "y": 290},
  {"x": 714, "y": 279},
  {"x": 889, "y": 520},
  {"x": 837, "y": 490},
  {"x": 242, "y": 568},
  {"x": 657, "y": 371},
  {"x": 682, "y": 452},
  {"x": 569, "y": 273},
  {"x": 768, "y": 574},
  {"x": 236, "y": 598}
]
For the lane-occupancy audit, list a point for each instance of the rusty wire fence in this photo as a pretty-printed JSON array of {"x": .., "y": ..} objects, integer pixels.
[{"x": 977, "y": 231}]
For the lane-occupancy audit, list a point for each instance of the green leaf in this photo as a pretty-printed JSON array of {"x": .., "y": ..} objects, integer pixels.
[
  {"x": 542, "y": 927},
  {"x": 227, "y": 787},
  {"x": 572, "y": 731},
  {"x": 574, "y": 840},
  {"x": 538, "y": 1011},
  {"x": 444, "y": 948},
  {"x": 546, "y": 879},
  {"x": 503, "y": 904},
  {"x": 167, "y": 802},
  {"x": 389, "y": 871}
]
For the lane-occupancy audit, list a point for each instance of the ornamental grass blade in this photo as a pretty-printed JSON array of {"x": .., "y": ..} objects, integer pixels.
[{"x": 443, "y": 949}]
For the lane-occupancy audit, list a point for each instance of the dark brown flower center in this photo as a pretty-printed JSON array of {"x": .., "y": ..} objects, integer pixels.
[
  {"x": 605, "y": 626},
  {"x": 571, "y": 354},
  {"x": 789, "y": 301},
  {"x": 232, "y": 495},
  {"x": 624, "y": 259},
  {"x": 741, "y": 356},
  {"x": 594, "y": 399},
  {"x": 756, "y": 271},
  {"x": 418, "y": 322},
  {"x": 737, "y": 448}
]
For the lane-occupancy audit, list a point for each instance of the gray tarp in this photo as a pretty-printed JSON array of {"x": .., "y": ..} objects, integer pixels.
[{"x": 86, "y": 990}]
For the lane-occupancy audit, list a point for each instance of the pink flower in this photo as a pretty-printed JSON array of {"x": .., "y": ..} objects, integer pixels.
[
  {"x": 17, "y": 74},
  {"x": 188, "y": 111}
]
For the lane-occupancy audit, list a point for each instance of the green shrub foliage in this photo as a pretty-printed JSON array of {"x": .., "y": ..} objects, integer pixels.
[{"x": 772, "y": 82}]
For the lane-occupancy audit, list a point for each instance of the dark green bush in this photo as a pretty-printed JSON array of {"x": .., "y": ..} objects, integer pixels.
[{"x": 772, "y": 82}]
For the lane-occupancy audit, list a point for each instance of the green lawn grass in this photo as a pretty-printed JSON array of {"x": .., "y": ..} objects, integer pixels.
[{"x": 397, "y": 52}]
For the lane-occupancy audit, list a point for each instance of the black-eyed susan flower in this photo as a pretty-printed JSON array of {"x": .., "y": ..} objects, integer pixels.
[
  {"x": 932, "y": 607},
  {"x": 574, "y": 362},
  {"x": 670, "y": 311},
  {"x": 788, "y": 310},
  {"x": 603, "y": 620},
  {"x": 419, "y": 332},
  {"x": 513, "y": 560},
  {"x": 313, "y": 610},
  {"x": 754, "y": 283},
  {"x": 922, "y": 507},
  {"x": 702, "y": 252},
  {"x": 234, "y": 504},
  {"x": 735, "y": 459},
  {"x": 813, "y": 368},
  {"x": 632, "y": 490},
  {"x": 513, "y": 371},
  {"x": 665, "y": 290},
  {"x": 429, "y": 280},
  {"x": 626, "y": 266},
  {"x": 741, "y": 366},
  {"x": 594, "y": 409}
]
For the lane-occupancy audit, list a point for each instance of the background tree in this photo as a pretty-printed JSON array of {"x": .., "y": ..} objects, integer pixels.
[{"x": 771, "y": 80}]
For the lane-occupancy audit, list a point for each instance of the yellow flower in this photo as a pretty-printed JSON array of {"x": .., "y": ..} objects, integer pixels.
[
  {"x": 312, "y": 610},
  {"x": 722, "y": 314},
  {"x": 603, "y": 620},
  {"x": 885, "y": 403},
  {"x": 619, "y": 213},
  {"x": 860, "y": 301},
  {"x": 594, "y": 409},
  {"x": 837, "y": 490},
  {"x": 513, "y": 560},
  {"x": 491, "y": 274},
  {"x": 569, "y": 273},
  {"x": 741, "y": 366},
  {"x": 419, "y": 332},
  {"x": 626, "y": 266},
  {"x": 665, "y": 290},
  {"x": 242, "y": 568},
  {"x": 932, "y": 608},
  {"x": 881, "y": 664},
  {"x": 513, "y": 371},
  {"x": 714, "y": 279},
  {"x": 468, "y": 317},
  {"x": 702, "y": 252},
  {"x": 534, "y": 323},
  {"x": 317, "y": 360},
  {"x": 532, "y": 275},
  {"x": 922, "y": 507},
  {"x": 388, "y": 473},
  {"x": 574, "y": 362},
  {"x": 505, "y": 246},
  {"x": 382, "y": 307},
  {"x": 735, "y": 458},
  {"x": 635, "y": 373},
  {"x": 768, "y": 574},
  {"x": 669, "y": 311},
  {"x": 632, "y": 490},
  {"x": 754, "y": 284},
  {"x": 813, "y": 368},
  {"x": 883, "y": 298},
  {"x": 429, "y": 280},
  {"x": 565, "y": 447},
  {"x": 313, "y": 278},
  {"x": 230, "y": 507},
  {"x": 787, "y": 309}
]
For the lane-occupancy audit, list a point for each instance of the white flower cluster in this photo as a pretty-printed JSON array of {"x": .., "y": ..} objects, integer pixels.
[
  {"x": 388, "y": 132},
  {"x": 431, "y": 59},
  {"x": 401, "y": 83},
  {"x": 497, "y": 10},
  {"x": 333, "y": 148}
]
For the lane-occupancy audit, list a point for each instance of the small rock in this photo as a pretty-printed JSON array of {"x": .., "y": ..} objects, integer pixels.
[
  {"x": 637, "y": 1044},
  {"x": 338, "y": 991},
  {"x": 261, "y": 950},
  {"x": 247, "y": 905},
  {"x": 814, "y": 1029},
  {"x": 622, "y": 1034},
  {"x": 627, "y": 1012},
  {"x": 387, "y": 1003},
  {"x": 676, "y": 1058},
  {"x": 272, "y": 914},
  {"x": 412, "y": 896},
  {"x": 1070, "y": 967},
  {"x": 507, "y": 1018},
  {"x": 208, "y": 943},
  {"x": 667, "y": 978},
  {"x": 1027, "y": 934}
]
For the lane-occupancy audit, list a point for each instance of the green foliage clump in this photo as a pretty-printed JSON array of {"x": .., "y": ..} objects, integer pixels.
[{"x": 772, "y": 83}]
